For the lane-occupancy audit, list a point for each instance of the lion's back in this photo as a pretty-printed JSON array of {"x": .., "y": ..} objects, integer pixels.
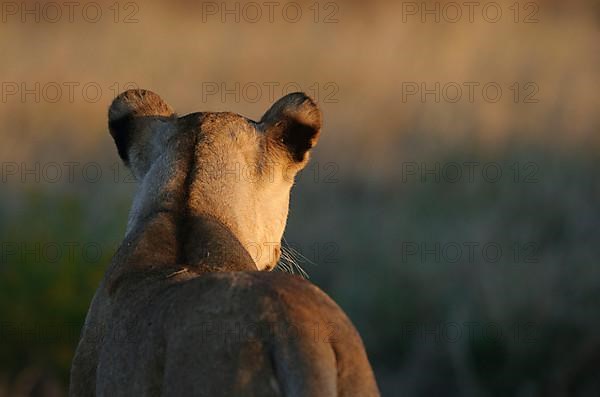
[
  {"x": 231, "y": 333},
  {"x": 269, "y": 329}
]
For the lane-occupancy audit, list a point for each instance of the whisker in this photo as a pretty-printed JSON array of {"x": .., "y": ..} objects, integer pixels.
[
  {"x": 284, "y": 267},
  {"x": 283, "y": 264},
  {"x": 302, "y": 256},
  {"x": 301, "y": 271},
  {"x": 292, "y": 257},
  {"x": 288, "y": 260}
]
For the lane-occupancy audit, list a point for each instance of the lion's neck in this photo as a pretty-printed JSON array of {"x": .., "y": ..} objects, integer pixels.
[
  {"x": 164, "y": 233},
  {"x": 206, "y": 243},
  {"x": 169, "y": 242}
]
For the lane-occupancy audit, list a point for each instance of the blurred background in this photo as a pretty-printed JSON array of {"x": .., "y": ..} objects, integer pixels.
[{"x": 451, "y": 207}]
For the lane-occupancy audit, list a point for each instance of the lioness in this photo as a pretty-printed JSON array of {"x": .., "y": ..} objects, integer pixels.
[{"x": 184, "y": 309}]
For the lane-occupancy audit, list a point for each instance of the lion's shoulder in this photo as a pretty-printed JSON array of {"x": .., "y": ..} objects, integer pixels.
[{"x": 254, "y": 297}]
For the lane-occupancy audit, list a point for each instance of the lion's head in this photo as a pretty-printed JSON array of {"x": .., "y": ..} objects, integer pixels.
[{"x": 219, "y": 166}]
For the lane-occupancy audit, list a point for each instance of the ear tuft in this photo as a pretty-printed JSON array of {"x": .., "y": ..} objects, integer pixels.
[
  {"x": 128, "y": 108},
  {"x": 295, "y": 121}
]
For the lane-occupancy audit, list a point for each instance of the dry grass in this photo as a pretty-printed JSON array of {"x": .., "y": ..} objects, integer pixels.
[{"x": 368, "y": 55}]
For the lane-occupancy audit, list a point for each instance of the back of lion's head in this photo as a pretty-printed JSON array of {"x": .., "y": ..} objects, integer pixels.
[{"x": 220, "y": 165}]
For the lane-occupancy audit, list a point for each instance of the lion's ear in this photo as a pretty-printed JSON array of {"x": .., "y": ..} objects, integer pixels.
[
  {"x": 295, "y": 122},
  {"x": 135, "y": 118}
]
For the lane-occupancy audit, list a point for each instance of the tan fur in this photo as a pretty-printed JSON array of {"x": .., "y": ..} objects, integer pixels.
[{"x": 184, "y": 309}]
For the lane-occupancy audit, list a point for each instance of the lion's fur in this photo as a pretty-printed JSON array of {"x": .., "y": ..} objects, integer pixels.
[{"x": 183, "y": 308}]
